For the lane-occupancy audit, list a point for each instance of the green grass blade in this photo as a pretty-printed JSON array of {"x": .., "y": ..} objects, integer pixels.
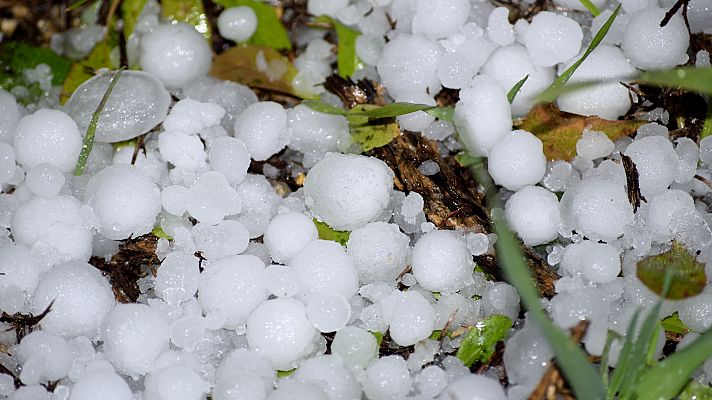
[
  {"x": 693, "y": 79},
  {"x": 566, "y": 75},
  {"x": 91, "y": 129},
  {"x": 619, "y": 373},
  {"x": 591, "y": 7},
  {"x": 603, "y": 365},
  {"x": 347, "y": 62},
  {"x": 270, "y": 30},
  {"x": 324, "y": 107},
  {"x": 515, "y": 89}
]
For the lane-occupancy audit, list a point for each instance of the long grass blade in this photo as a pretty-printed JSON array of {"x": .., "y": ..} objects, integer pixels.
[
  {"x": 516, "y": 88},
  {"x": 91, "y": 129},
  {"x": 693, "y": 79},
  {"x": 591, "y": 7}
]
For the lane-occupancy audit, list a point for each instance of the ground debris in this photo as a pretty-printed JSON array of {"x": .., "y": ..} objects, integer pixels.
[
  {"x": 24, "y": 323},
  {"x": 632, "y": 183}
]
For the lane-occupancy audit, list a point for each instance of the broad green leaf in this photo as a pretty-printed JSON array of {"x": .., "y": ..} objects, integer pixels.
[
  {"x": 25, "y": 57},
  {"x": 324, "y": 107},
  {"x": 516, "y": 88},
  {"x": 160, "y": 233},
  {"x": 566, "y": 75},
  {"x": 189, "y": 11},
  {"x": 371, "y": 132},
  {"x": 257, "y": 67},
  {"x": 689, "y": 78},
  {"x": 270, "y": 31},
  {"x": 559, "y": 131},
  {"x": 674, "y": 324},
  {"x": 688, "y": 274},
  {"x": 326, "y": 233},
  {"x": 91, "y": 129},
  {"x": 667, "y": 378},
  {"x": 591, "y": 7},
  {"x": 707, "y": 127},
  {"x": 480, "y": 342},
  {"x": 130, "y": 10},
  {"x": 696, "y": 391},
  {"x": 347, "y": 61}
]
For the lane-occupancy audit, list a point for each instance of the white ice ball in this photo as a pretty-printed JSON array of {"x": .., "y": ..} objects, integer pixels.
[
  {"x": 329, "y": 373},
  {"x": 210, "y": 199},
  {"x": 656, "y": 162},
  {"x": 227, "y": 238},
  {"x": 176, "y": 54},
  {"x": 175, "y": 382},
  {"x": 596, "y": 208},
  {"x": 8, "y": 166},
  {"x": 314, "y": 133},
  {"x": 438, "y": 19},
  {"x": 233, "y": 285},
  {"x": 280, "y": 330},
  {"x": 409, "y": 64},
  {"x": 387, "y": 378},
  {"x": 177, "y": 278},
  {"x": 259, "y": 204},
  {"x": 182, "y": 150},
  {"x": 125, "y": 201},
  {"x": 237, "y": 23},
  {"x": 102, "y": 384},
  {"x": 18, "y": 268},
  {"x": 44, "y": 356},
  {"x": 594, "y": 145},
  {"x": 482, "y": 115},
  {"x": 533, "y": 213},
  {"x": 486, "y": 388},
  {"x": 287, "y": 234},
  {"x": 45, "y": 180},
  {"x": 664, "y": 209},
  {"x": 328, "y": 311},
  {"x": 348, "y": 191},
  {"x": 441, "y": 262},
  {"x": 230, "y": 157},
  {"x": 527, "y": 355},
  {"x": 552, "y": 38},
  {"x": 263, "y": 128},
  {"x": 324, "y": 266},
  {"x": 380, "y": 251},
  {"x": 517, "y": 160},
  {"x": 191, "y": 116},
  {"x": 81, "y": 296},
  {"x": 649, "y": 46},
  {"x": 356, "y": 346},
  {"x": 597, "y": 262},
  {"x": 412, "y": 317},
  {"x": 9, "y": 116},
  {"x": 47, "y": 136},
  {"x": 134, "y": 335}
]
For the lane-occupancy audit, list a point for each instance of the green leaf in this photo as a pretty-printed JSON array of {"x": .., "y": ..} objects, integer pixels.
[
  {"x": 379, "y": 338},
  {"x": 689, "y": 78},
  {"x": 189, "y": 11},
  {"x": 566, "y": 75},
  {"x": 696, "y": 391},
  {"x": 480, "y": 342},
  {"x": 270, "y": 30},
  {"x": 326, "y": 233},
  {"x": 284, "y": 374},
  {"x": 465, "y": 160},
  {"x": 324, "y": 107},
  {"x": 130, "y": 10},
  {"x": 591, "y": 7},
  {"x": 674, "y": 324},
  {"x": 160, "y": 233},
  {"x": 347, "y": 61},
  {"x": 688, "y": 274},
  {"x": 100, "y": 57},
  {"x": 23, "y": 56},
  {"x": 400, "y": 108},
  {"x": 436, "y": 334},
  {"x": 91, "y": 129},
  {"x": 371, "y": 132},
  {"x": 515, "y": 89}
]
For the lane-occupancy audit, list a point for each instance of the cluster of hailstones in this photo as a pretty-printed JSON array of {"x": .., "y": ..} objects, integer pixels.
[{"x": 268, "y": 287}]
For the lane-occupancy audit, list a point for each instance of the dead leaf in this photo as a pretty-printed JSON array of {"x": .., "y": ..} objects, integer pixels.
[
  {"x": 559, "y": 130},
  {"x": 688, "y": 274},
  {"x": 632, "y": 182}
]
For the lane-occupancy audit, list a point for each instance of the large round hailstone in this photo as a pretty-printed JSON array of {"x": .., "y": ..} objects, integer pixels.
[
  {"x": 596, "y": 208},
  {"x": 287, "y": 234},
  {"x": 315, "y": 134},
  {"x": 664, "y": 209},
  {"x": 227, "y": 238},
  {"x": 237, "y": 23},
  {"x": 280, "y": 330},
  {"x": 527, "y": 355},
  {"x": 47, "y": 136},
  {"x": 177, "y": 278},
  {"x": 176, "y": 54},
  {"x": 53, "y": 227},
  {"x": 348, "y": 191},
  {"x": 412, "y": 317},
  {"x": 464, "y": 387},
  {"x": 296, "y": 390},
  {"x": 387, "y": 378},
  {"x": 137, "y": 104},
  {"x": 175, "y": 382},
  {"x": 324, "y": 266},
  {"x": 263, "y": 128},
  {"x": 419, "y": 120},
  {"x": 594, "y": 145},
  {"x": 231, "y": 96},
  {"x": 80, "y": 298},
  {"x": 326, "y": 7},
  {"x": 101, "y": 384},
  {"x": 44, "y": 357},
  {"x": 230, "y": 157},
  {"x": 517, "y": 160},
  {"x": 380, "y": 251},
  {"x": 441, "y": 262},
  {"x": 242, "y": 362},
  {"x": 9, "y": 116},
  {"x": 8, "y": 167},
  {"x": 259, "y": 204},
  {"x": 597, "y": 262},
  {"x": 656, "y": 162},
  {"x": 699, "y": 15},
  {"x": 409, "y": 64},
  {"x": 482, "y": 115},
  {"x": 533, "y": 212},
  {"x": 508, "y": 65},
  {"x": 134, "y": 335},
  {"x": 210, "y": 199},
  {"x": 696, "y": 311},
  {"x": 356, "y": 346},
  {"x": 552, "y": 38},
  {"x": 44, "y": 180},
  {"x": 18, "y": 268},
  {"x": 568, "y": 309},
  {"x": 328, "y": 311},
  {"x": 438, "y": 19},
  {"x": 233, "y": 285},
  {"x": 457, "y": 67},
  {"x": 190, "y": 116},
  {"x": 125, "y": 201},
  {"x": 649, "y": 46},
  {"x": 329, "y": 373},
  {"x": 182, "y": 150},
  {"x": 606, "y": 100}
]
